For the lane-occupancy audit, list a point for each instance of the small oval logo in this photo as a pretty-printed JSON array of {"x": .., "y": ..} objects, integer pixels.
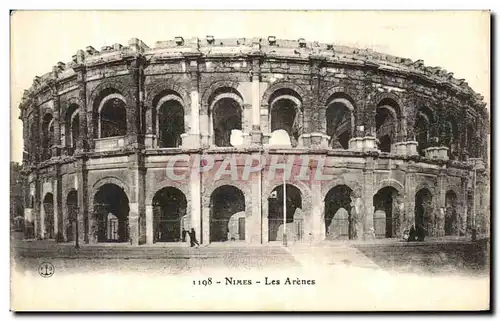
[{"x": 46, "y": 270}]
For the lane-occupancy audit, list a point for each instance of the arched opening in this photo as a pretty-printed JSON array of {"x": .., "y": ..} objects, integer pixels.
[
  {"x": 471, "y": 141},
  {"x": 338, "y": 214},
  {"x": 72, "y": 127},
  {"x": 112, "y": 114},
  {"x": 111, "y": 209},
  {"x": 423, "y": 122},
  {"x": 285, "y": 112},
  {"x": 386, "y": 124},
  {"x": 450, "y": 218},
  {"x": 72, "y": 209},
  {"x": 48, "y": 210},
  {"x": 227, "y": 214},
  {"x": 226, "y": 105},
  {"x": 170, "y": 123},
  {"x": 424, "y": 210},
  {"x": 450, "y": 136},
  {"x": 32, "y": 144},
  {"x": 169, "y": 212},
  {"x": 294, "y": 216},
  {"x": 47, "y": 136},
  {"x": 339, "y": 122},
  {"x": 385, "y": 218}
]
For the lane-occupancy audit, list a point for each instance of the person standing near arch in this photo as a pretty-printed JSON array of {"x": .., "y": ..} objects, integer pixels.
[{"x": 192, "y": 238}]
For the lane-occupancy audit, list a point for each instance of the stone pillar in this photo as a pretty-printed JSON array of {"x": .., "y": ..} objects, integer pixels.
[
  {"x": 410, "y": 185},
  {"x": 56, "y": 146},
  {"x": 192, "y": 139},
  {"x": 316, "y": 231},
  {"x": 149, "y": 224},
  {"x": 137, "y": 219},
  {"x": 37, "y": 213},
  {"x": 84, "y": 208},
  {"x": 59, "y": 230},
  {"x": 254, "y": 226},
  {"x": 368, "y": 192},
  {"x": 133, "y": 107},
  {"x": 256, "y": 128},
  {"x": 196, "y": 209},
  {"x": 82, "y": 141},
  {"x": 440, "y": 211}
]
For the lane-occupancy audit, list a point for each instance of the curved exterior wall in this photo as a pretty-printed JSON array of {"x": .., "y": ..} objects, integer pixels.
[{"x": 255, "y": 75}]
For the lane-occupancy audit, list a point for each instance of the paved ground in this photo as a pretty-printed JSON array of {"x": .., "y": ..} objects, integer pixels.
[{"x": 432, "y": 256}]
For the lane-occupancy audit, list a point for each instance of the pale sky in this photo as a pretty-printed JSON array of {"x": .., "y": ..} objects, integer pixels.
[{"x": 457, "y": 41}]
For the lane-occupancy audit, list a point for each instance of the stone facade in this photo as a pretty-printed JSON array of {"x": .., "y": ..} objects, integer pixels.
[{"x": 405, "y": 144}]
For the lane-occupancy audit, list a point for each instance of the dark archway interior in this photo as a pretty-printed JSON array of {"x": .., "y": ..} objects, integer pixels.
[
  {"x": 72, "y": 128},
  {"x": 113, "y": 117},
  {"x": 171, "y": 124},
  {"x": 385, "y": 125},
  {"x": 422, "y": 129},
  {"x": 276, "y": 212},
  {"x": 48, "y": 207},
  {"x": 338, "y": 213},
  {"x": 225, "y": 201},
  {"x": 72, "y": 209},
  {"x": 111, "y": 209},
  {"x": 423, "y": 210},
  {"x": 338, "y": 125},
  {"x": 226, "y": 117},
  {"x": 451, "y": 219},
  {"x": 283, "y": 116},
  {"x": 47, "y": 136},
  {"x": 385, "y": 226},
  {"x": 169, "y": 209}
]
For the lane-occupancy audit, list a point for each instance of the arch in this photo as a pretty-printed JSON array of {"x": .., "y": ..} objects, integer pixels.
[
  {"x": 424, "y": 120},
  {"x": 337, "y": 218},
  {"x": 108, "y": 180},
  {"x": 426, "y": 185},
  {"x": 109, "y": 86},
  {"x": 48, "y": 217},
  {"x": 169, "y": 121},
  {"x": 286, "y": 113},
  {"x": 392, "y": 183},
  {"x": 353, "y": 185},
  {"x": 294, "y": 226},
  {"x": 386, "y": 220},
  {"x": 170, "y": 215},
  {"x": 110, "y": 216},
  {"x": 157, "y": 88},
  {"x": 225, "y": 114},
  {"x": 166, "y": 184},
  {"x": 341, "y": 92},
  {"x": 387, "y": 121},
  {"x": 282, "y": 84},
  {"x": 67, "y": 103},
  {"x": 72, "y": 215},
  {"x": 451, "y": 219},
  {"x": 47, "y": 134},
  {"x": 72, "y": 127},
  {"x": 112, "y": 116},
  {"x": 424, "y": 212},
  {"x": 450, "y": 136},
  {"x": 215, "y": 86},
  {"x": 391, "y": 99},
  {"x": 336, "y": 119},
  {"x": 227, "y": 204}
]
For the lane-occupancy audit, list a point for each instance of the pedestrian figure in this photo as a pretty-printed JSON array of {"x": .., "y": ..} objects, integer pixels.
[
  {"x": 420, "y": 233},
  {"x": 184, "y": 232},
  {"x": 192, "y": 238},
  {"x": 412, "y": 234}
]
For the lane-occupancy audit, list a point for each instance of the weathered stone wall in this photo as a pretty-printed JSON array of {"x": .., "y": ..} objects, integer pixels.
[{"x": 253, "y": 72}]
